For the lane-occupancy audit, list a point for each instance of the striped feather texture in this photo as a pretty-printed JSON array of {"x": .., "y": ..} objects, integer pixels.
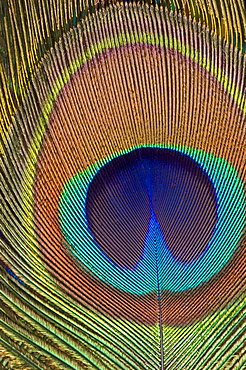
[{"x": 122, "y": 223}]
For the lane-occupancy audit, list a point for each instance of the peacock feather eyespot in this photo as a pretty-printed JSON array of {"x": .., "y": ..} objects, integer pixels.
[{"x": 123, "y": 187}]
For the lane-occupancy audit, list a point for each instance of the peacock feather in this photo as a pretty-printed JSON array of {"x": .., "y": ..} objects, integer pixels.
[{"x": 122, "y": 223}]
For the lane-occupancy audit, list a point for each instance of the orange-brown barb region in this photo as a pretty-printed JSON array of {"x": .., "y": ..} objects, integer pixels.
[{"x": 104, "y": 92}]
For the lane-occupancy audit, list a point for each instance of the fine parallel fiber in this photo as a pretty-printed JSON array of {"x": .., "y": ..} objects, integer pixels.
[{"x": 122, "y": 185}]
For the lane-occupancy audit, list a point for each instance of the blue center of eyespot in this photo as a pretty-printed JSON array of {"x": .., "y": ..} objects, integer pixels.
[
  {"x": 154, "y": 205},
  {"x": 130, "y": 190}
]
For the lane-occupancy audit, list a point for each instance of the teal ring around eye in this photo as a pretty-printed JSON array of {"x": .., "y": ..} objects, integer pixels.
[{"x": 173, "y": 275}]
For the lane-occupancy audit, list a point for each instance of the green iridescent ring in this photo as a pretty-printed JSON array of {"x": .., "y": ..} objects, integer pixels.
[{"x": 174, "y": 276}]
